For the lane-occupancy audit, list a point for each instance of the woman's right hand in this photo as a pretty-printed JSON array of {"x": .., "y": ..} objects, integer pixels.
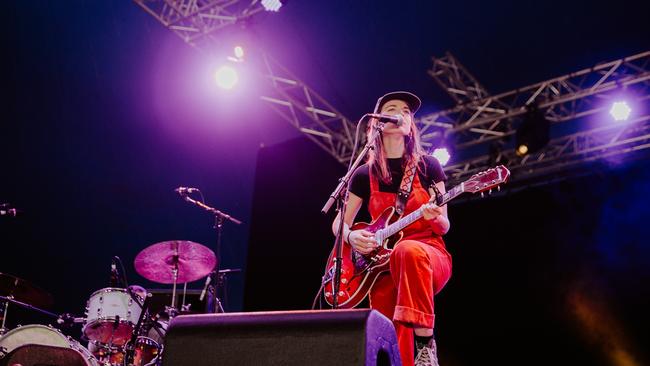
[{"x": 362, "y": 241}]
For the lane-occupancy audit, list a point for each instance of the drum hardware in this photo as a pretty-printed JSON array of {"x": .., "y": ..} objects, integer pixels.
[
  {"x": 214, "y": 303},
  {"x": 22, "y": 293},
  {"x": 132, "y": 344},
  {"x": 5, "y": 300},
  {"x": 173, "y": 262}
]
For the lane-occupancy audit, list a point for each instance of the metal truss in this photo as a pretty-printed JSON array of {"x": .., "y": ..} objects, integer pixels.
[
  {"x": 564, "y": 153},
  {"x": 454, "y": 78},
  {"x": 310, "y": 113},
  {"x": 197, "y": 21},
  {"x": 565, "y": 98},
  {"x": 477, "y": 119}
]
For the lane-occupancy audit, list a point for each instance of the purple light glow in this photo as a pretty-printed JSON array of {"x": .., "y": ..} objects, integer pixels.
[
  {"x": 442, "y": 154},
  {"x": 620, "y": 111},
  {"x": 226, "y": 77}
]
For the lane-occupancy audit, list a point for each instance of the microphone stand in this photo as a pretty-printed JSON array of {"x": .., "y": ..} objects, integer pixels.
[
  {"x": 340, "y": 196},
  {"x": 213, "y": 303}
]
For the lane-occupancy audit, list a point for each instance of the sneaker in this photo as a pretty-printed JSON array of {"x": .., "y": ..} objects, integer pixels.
[{"x": 426, "y": 354}]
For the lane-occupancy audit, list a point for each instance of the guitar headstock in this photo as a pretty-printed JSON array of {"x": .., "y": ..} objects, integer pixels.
[{"x": 486, "y": 180}]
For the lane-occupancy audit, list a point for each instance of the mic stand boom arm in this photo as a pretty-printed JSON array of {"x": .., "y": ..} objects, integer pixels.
[
  {"x": 213, "y": 210},
  {"x": 214, "y": 305},
  {"x": 340, "y": 196}
]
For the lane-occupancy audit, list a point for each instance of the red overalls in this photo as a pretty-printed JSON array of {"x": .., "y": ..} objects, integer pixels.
[{"x": 420, "y": 266}]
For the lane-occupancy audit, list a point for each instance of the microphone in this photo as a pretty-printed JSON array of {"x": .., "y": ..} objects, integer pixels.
[
  {"x": 185, "y": 190},
  {"x": 113, "y": 273},
  {"x": 396, "y": 119}
]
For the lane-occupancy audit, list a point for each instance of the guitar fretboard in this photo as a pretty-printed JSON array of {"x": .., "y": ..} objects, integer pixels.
[{"x": 407, "y": 220}]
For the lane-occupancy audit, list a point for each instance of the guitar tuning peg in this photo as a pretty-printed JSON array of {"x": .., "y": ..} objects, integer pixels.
[
  {"x": 490, "y": 191},
  {"x": 498, "y": 188},
  {"x": 482, "y": 194}
]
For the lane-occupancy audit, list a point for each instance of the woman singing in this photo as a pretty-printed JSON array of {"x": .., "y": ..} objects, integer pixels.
[{"x": 420, "y": 265}]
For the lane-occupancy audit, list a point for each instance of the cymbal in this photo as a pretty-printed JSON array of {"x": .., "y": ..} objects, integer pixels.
[
  {"x": 24, "y": 291},
  {"x": 157, "y": 262}
]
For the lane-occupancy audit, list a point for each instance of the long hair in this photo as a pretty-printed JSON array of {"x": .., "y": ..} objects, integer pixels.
[{"x": 377, "y": 160}]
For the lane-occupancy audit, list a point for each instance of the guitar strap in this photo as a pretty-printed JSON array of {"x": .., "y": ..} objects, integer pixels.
[{"x": 405, "y": 187}]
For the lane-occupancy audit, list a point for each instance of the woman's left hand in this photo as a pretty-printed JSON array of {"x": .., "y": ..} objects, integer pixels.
[{"x": 430, "y": 210}]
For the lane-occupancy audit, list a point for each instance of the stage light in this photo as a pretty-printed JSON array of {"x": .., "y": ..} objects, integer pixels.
[
  {"x": 442, "y": 154},
  {"x": 239, "y": 52},
  {"x": 620, "y": 111},
  {"x": 533, "y": 133},
  {"x": 226, "y": 77},
  {"x": 522, "y": 149},
  {"x": 272, "y": 5}
]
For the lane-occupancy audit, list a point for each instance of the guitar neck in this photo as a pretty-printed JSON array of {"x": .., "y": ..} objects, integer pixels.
[{"x": 407, "y": 220}]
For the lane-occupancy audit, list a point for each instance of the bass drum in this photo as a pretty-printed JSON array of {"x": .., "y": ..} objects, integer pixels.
[{"x": 36, "y": 334}]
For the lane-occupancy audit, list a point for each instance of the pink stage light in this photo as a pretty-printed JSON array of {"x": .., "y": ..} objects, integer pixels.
[
  {"x": 226, "y": 77},
  {"x": 442, "y": 154},
  {"x": 620, "y": 111}
]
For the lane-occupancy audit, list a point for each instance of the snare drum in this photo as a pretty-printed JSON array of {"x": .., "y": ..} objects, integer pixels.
[
  {"x": 111, "y": 315},
  {"x": 45, "y": 336}
]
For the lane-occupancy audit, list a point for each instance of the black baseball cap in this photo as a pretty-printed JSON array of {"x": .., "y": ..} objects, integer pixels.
[{"x": 411, "y": 99}]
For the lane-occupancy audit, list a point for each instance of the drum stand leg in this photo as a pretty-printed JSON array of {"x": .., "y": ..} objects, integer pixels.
[
  {"x": 213, "y": 304},
  {"x": 5, "y": 305},
  {"x": 172, "y": 311}
]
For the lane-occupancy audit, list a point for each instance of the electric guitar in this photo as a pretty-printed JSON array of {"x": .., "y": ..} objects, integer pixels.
[{"x": 360, "y": 271}]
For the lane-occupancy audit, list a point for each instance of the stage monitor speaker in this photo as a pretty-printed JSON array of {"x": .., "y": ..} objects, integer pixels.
[{"x": 322, "y": 337}]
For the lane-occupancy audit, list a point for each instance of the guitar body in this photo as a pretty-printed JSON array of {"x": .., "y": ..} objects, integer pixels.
[{"x": 358, "y": 271}]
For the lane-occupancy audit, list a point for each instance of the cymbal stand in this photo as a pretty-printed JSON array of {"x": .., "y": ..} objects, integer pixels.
[
  {"x": 5, "y": 306},
  {"x": 214, "y": 304},
  {"x": 172, "y": 311}
]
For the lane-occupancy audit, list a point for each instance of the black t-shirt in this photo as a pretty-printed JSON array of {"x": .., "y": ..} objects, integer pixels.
[{"x": 430, "y": 172}]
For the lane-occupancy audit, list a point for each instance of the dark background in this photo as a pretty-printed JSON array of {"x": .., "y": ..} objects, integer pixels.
[{"x": 105, "y": 112}]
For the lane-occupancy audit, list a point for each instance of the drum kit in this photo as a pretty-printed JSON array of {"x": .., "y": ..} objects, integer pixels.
[{"x": 118, "y": 324}]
